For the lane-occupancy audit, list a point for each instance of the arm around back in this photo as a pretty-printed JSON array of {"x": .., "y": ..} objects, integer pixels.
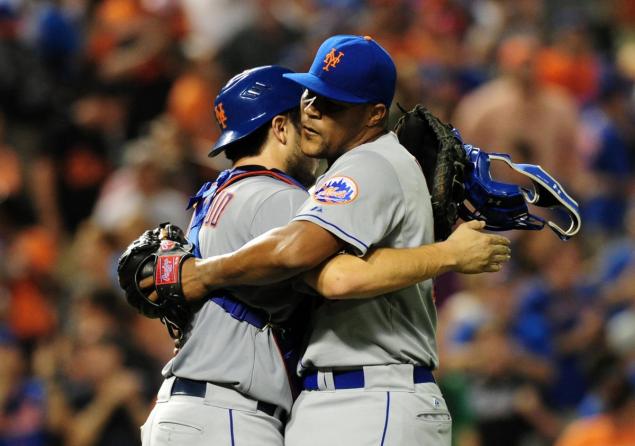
[
  {"x": 274, "y": 256},
  {"x": 385, "y": 270}
]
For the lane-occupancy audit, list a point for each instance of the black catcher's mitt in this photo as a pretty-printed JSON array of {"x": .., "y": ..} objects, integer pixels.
[
  {"x": 159, "y": 252},
  {"x": 443, "y": 160}
]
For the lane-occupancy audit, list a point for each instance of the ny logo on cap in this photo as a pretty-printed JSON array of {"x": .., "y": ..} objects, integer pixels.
[
  {"x": 330, "y": 61},
  {"x": 220, "y": 115}
]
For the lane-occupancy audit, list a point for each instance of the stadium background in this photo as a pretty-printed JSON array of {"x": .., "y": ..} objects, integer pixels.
[{"x": 105, "y": 121}]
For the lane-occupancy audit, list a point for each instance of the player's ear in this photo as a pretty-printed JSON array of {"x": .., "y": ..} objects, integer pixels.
[
  {"x": 377, "y": 113},
  {"x": 280, "y": 128}
]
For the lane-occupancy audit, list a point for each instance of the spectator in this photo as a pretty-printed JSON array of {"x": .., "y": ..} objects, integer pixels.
[
  {"x": 129, "y": 46},
  {"x": 32, "y": 308},
  {"x": 22, "y": 399},
  {"x": 71, "y": 168},
  {"x": 501, "y": 368},
  {"x": 614, "y": 426},
  {"x": 608, "y": 156},
  {"x": 106, "y": 401},
  {"x": 555, "y": 317},
  {"x": 515, "y": 114},
  {"x": 141, "y": 190},
  {"x": 570, "y": 63},
  {"x": 272, "y": 36}
]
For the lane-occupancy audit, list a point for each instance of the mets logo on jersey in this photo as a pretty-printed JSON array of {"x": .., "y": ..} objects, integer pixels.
[
  {"x": 336, "y": 190},
  {"x": 331, "y": 60}
]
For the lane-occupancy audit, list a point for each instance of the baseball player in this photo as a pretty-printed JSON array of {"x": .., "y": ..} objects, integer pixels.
[
  {"x": 227, "y": 384},
  {"x": 367, "y": 369}
]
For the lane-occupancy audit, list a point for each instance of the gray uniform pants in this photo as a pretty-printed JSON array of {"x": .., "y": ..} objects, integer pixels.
[
  {"x": 223, "y": 417},
  {"x": 389, "y": 410}
]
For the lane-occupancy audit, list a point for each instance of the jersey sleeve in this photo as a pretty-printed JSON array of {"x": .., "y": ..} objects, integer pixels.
[
  {"x": 359, "y": 201},
  {"x": 277, "y": 210}
]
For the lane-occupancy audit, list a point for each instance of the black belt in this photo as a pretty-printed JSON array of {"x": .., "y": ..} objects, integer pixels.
[
  {"x": 191, "y": 387},
  {"x": 354, "y": 379}
]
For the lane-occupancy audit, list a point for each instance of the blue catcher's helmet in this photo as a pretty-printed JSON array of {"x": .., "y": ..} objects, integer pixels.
[{"x": 251, "y": 99}]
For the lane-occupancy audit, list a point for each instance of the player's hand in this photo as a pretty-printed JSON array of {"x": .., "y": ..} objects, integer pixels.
[
  {"x": 476, "y": 252},
  {"x": 193, "y": 288}
]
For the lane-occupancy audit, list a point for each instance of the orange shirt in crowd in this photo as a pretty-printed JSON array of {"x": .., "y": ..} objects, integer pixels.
[
  {"x": 598, "y": 431},
  {"x": 578, "y": 74}
]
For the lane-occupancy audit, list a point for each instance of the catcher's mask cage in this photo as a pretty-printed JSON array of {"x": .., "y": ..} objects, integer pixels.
[{"x": 503, "y": 206}]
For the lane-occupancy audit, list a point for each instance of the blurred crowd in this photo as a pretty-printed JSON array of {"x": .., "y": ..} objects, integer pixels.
[{"x": 105, "y": 124}]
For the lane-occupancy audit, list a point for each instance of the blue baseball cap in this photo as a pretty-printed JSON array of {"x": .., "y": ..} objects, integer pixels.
[
  {"x": 250, "y": 100},
  {"x": 353, "y": 69}
]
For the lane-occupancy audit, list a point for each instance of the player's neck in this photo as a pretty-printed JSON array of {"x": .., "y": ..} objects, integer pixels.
[
  {"x": 264, "y": 159},
  {"x": 368, "y": 135}
]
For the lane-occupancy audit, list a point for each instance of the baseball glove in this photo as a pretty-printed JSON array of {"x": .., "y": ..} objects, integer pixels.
[
  {"x": 159, "y": 252},
  {"x": 440, "y": 153}
]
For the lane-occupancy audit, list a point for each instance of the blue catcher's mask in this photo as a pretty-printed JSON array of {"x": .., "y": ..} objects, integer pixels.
[{"x": 503, "y": 206}]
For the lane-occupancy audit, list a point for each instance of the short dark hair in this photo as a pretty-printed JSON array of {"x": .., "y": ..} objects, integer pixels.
[{"x": 252, "y": 144}]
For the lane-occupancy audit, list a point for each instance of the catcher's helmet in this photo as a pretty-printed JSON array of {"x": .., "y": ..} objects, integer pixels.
[{"x": 251, "y": 99}]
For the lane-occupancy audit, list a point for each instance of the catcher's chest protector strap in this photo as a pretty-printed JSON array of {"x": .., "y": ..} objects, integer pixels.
[
  {"x": 202, "y": 202},
  {"x": 204, "y": 198}
]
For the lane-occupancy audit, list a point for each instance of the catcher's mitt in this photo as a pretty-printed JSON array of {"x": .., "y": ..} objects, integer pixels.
[
  {"x": 441, "y": 155},
  {"x": 159, "y": 252}
]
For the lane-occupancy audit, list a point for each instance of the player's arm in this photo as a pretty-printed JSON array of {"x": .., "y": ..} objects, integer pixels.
[
  {"x": 384, "y": 270},
  {"x": 324, "y": 226},
  {"x": 274, "y": 256}
]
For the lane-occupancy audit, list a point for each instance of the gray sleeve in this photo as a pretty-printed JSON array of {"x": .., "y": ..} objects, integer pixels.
[
  {"x": 360, "y": 201},
  {"x": 277, "y": 210}
]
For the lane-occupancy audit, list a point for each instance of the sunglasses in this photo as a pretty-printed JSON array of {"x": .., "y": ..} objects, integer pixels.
[{"x": 323, "y": 105}]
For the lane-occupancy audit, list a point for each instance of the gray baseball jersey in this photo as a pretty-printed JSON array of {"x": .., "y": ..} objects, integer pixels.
[
  {"x": 219, "y": 348},
  {"x": 374, "y": 196}
]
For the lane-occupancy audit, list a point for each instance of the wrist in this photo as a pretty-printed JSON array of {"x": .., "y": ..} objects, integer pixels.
[
  {"x": 204, "y": 275},
  {"x": 193, "y": 279},
  {"x": 448, "y": 256}
]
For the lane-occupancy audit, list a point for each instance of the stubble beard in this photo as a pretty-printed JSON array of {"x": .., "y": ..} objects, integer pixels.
[
  {"x": 302, "y": 167},
  {"x": 314, "y": 147}
]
